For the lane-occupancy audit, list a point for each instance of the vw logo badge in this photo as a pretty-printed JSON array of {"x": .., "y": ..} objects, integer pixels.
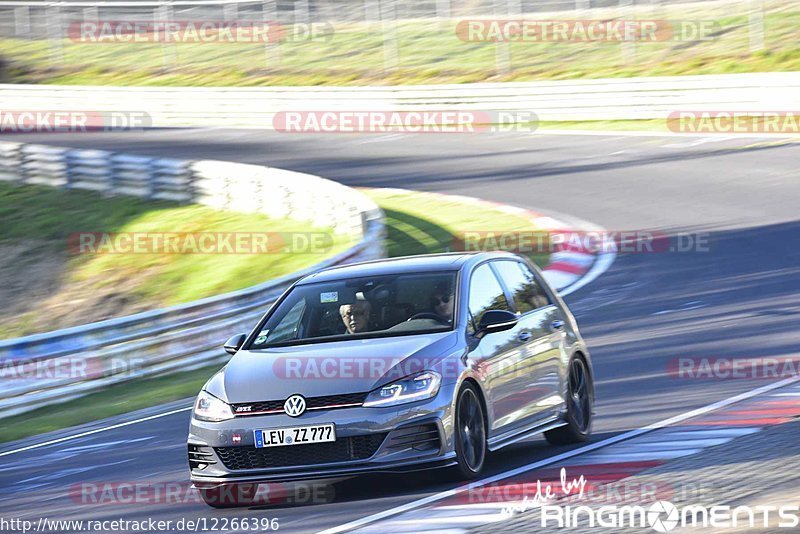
[{"x": 294, "y": 406}]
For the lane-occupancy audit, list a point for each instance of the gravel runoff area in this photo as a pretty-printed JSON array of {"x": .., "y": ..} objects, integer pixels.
[{"x": 759, "y": 469}]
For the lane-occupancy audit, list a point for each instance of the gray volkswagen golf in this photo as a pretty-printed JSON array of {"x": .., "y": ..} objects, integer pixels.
[{"x": 392, "y": 365}]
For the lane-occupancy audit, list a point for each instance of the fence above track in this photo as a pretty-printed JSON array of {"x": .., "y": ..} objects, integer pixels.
[{"x": 255, "y": 107}]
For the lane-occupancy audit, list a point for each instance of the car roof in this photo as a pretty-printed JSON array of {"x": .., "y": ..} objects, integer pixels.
[{"x": 451, "y": 261}]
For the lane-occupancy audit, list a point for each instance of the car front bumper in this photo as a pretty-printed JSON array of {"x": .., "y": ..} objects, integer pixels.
[{"x": 414, "y": 436}]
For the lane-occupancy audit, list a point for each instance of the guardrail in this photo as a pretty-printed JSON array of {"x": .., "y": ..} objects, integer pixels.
[
  {"x": 255, "y": 107},
  {"x": 180, "y": 337},
  {"x": 219, "y": 184}
]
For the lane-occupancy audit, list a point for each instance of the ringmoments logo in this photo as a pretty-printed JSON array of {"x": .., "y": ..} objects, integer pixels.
[{"x": 663, "y": 516}]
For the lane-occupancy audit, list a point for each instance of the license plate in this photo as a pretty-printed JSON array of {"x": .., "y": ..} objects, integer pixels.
[{"x": 295, "y": 435}]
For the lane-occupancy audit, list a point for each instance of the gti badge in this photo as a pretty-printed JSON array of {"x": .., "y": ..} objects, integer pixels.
[{"x": 294, "y": 406}]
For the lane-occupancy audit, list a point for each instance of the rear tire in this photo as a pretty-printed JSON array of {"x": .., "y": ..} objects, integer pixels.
[
  {"x": 229, "y": 495},
  {"x": 579, "y": 407},
  {"x": 470, "y": 433}
]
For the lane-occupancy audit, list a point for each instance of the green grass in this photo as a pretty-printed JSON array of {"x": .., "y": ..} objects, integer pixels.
[
  {"x": 41, "y": 220},
  {"x": 421, "y": 223},
  {"x": 428, "y": 52},
  {"x": 417, "y": 223}
]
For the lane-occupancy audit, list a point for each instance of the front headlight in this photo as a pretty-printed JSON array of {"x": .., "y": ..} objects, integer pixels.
[
  {"x": 209, "y": 408},
  {"x": 418, "y": 387}
]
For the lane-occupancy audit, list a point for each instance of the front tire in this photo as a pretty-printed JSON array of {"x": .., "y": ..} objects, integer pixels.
[
  {"x": 470, "y": 433},
  {"x": 579, "y": 407}
]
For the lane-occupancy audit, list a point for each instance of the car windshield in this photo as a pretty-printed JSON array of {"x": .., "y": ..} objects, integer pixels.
[{"x": 378, "y": 306}]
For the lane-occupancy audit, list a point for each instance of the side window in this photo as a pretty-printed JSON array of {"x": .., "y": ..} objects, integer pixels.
[
  {"x": 485, "y": 293},
  {"x": 289, "y": 325},
  {"x": 520, "y": 280}
]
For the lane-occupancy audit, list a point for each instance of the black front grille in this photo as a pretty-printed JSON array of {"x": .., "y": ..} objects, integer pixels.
[
  {"x": 248, "y": 408},
  {"x": 341, "y": 450},
  {"x": 419, "y": 437},
  {"x": 333, "y": 400}
]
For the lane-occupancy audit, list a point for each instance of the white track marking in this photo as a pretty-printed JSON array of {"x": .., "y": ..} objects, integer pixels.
[
  {"x": 95, "y": 431},
  {"x": 602, "y": 261},
  {"x": 695, "y": 304},
  {"x": 717, "y": 432},
  {"x": 559, "y": 457},
  {"x": 623, "y": 456},
  {"x": 600, "y": 266},
  {"x": 664, "y": 445}
]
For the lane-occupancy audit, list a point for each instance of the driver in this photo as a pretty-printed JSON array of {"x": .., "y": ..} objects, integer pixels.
[
  {"x": 356, "y": 316},
  {"x": 442, "y": 301}
]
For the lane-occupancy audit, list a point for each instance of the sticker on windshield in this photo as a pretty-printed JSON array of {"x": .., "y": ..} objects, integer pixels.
[
  {"x": 262, "y": 337},
  {"x": 332, "y": 296}
]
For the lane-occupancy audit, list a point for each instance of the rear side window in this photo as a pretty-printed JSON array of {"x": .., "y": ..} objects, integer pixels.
[
  {"x": 485, "y": 293},
  {"x": 521, "y": 282}
]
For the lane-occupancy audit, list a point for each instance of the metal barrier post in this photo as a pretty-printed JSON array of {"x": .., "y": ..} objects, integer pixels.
[
  {"x": 22, "y": 21},
  {"x": 272, "y": 50},
  {"x": 756, "y": 25},
  {"x": 389, "y": 23},
  {"x": 55, "y": 33},
  {"x": 502, "y": 50}
]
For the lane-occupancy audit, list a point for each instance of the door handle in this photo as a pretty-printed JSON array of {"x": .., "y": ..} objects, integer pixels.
[
  {"x": 558, "y": 324},
  {"x": 524, "y": 336}
]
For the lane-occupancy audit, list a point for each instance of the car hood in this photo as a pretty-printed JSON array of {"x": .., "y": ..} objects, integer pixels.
[{"x": 332, "y": 368}]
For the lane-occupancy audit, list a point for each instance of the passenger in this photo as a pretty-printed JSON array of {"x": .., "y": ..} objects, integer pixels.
[{"x": 356, "y": 317}]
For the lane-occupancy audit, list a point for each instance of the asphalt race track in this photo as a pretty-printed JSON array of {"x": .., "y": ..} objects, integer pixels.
[{"x": 737, "y": 299}]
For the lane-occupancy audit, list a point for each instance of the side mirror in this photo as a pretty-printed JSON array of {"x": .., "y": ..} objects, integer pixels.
[
  {"x": 235, "y": 343},
  {"x": 496, "y": 321}
]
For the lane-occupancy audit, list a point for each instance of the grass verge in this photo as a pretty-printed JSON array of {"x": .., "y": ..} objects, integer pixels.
[
  {"x": 427, "y": 52},
  {"x": 424, "y": 223},
  {"x": 418, "y": 223},
  {"x": 51, "y": 286}
]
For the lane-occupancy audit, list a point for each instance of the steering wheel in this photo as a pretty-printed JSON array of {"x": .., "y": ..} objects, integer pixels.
[{"x": 426, "y": 315}]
